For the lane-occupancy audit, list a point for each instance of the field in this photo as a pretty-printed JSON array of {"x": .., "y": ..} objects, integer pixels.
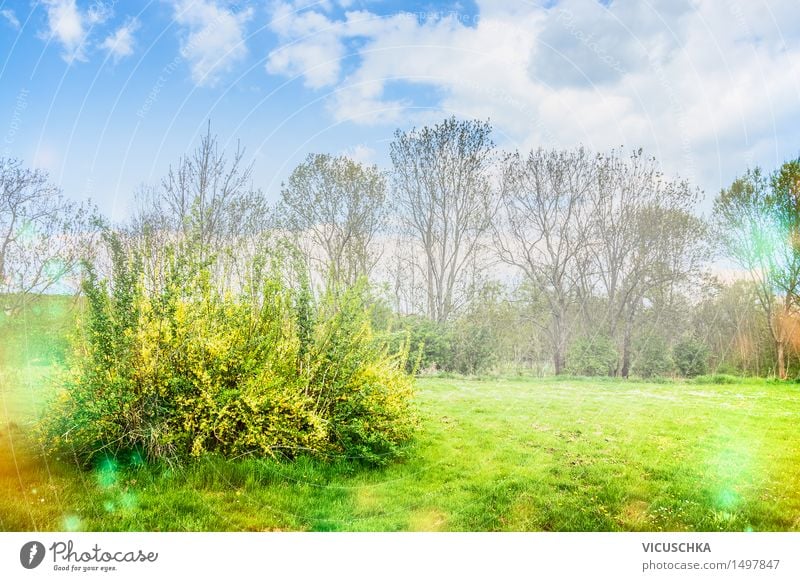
[{"x": 499, "y": 454}]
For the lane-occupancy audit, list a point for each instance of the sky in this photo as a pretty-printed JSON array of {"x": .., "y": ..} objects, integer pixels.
[{"x": 106, "y": 94}]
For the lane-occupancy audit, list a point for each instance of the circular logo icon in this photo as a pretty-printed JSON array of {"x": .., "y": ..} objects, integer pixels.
[{"x": 31, "y": 554}]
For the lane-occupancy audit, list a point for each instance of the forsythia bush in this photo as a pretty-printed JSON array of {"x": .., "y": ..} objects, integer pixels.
[{"x": 187, "y": 370}]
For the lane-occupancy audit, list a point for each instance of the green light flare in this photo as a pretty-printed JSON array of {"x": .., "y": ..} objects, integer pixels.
[
  {"x": 107, "y": 473},
  {"x": 72, "y": 523},
  {"x": 128, "y": 501}
]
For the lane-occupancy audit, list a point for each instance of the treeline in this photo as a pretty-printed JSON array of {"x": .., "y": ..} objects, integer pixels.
[
  {"x": 548, "y": 261},
  {"x": 557, "y": 261}
]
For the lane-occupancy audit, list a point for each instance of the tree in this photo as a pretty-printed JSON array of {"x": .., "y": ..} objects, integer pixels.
[
  {"x": 207, "y": 203},
  {"x": 43, "y": 236},
  {"x": 545, "y": 230},
  {"x": 653, "y": 358},
  {"x": 783, "y": 203},
  {"x": 646, "y": 241},
  {"x": 732, "y": 323},
  {"x": 758, "y": 227},
  {"x": 446, "y": 202},
  {"x": 336, "y": 209}
]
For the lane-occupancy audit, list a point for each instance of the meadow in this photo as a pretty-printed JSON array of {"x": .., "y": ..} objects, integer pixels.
[{"x": 492, "y": 454}]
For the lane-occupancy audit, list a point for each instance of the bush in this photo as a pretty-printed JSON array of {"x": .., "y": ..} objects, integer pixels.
[
  {"x": 717, "y": 378},
  {"x": 429, "y": 343},
  {"x": 691, "y": 357},
  {"x": 474, "y": 346},
  {"x": 187, "y": 370},
  {"x": 592, "y": 356},
  {"x": 467, "y": 346},
  {"x": 652, "y": 359}
]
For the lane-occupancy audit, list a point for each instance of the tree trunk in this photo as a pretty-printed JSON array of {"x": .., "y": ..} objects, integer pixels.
[
  {"x": 627, "y": 335},
  {"x": 626, "y": 353},
  {"x": 559, "y": 342},
  {"x": 781, "y": 360},
  {"x": 558, "y": 360},
  {"x": 625, "y": 366}
]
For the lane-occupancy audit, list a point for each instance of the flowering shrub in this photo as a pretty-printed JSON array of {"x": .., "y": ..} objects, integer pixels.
[{"x": 186, "y": 370}]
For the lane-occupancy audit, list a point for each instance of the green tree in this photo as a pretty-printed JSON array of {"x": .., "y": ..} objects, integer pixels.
[
  {"x": 733, "y": 324},
  {"x": 652, "y": 358},
  {"x": 336, "y": 210},
  {"x": 758, "y": 226}
]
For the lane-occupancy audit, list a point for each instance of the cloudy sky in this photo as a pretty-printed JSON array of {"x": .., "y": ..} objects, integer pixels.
[{"x": 106, "y": 94}]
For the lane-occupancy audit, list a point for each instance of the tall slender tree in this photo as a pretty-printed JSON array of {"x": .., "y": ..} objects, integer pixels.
[
  {"x": 206, "y": 203},
  {"x": 442, "y": 188},
  {"x": 545, "y": 231},
  {"x": 645, "y": 240}
]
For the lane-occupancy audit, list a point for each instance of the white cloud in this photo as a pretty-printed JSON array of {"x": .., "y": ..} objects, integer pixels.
[
  {"x": 120, "y": 44},
  {"x": 314, "y": 45},
  {"x": 100, "y": 11},
  {"x": 587, "y": 43},
  {"x": 707, "y": 87},
  {"x": 439, "y": 52},
  {"x": 213, "y": 37},
  {"x": 11, "y": 18},
  {"x": 65, "y": 23},
  {"x": 70, "y": 26}
]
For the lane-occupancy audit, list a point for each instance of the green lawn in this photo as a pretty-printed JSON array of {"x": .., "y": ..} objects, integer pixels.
[{"x": 516, "y": 455}]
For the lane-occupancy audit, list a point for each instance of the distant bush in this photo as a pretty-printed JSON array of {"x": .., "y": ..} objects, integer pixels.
[
  {"x": 590, "y": 356},
  {"x": 652, "y": 359},
  {"x": 186, "y": 370},
  {"x": 474, "y": 347},
  {"x": 717, "y": 378},
  {"x": 726, "y": 368},
  {"x": 429, "y": 343},
  {"x": 660, "y": 379},
  {"x": 691, "y": 357}
]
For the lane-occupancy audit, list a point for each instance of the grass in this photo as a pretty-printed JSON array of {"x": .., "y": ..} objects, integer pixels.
[
  {"x": 500, "y": 455},
  {"x": 492, "y": 454}
]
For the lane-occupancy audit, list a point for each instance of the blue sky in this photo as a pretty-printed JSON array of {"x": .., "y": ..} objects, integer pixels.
[{"x": 106, "y": 94}]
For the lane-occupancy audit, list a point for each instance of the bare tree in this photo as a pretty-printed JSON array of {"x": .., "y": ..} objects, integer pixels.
[
  {"x": 207, "y": 203},
  {"x": 336, "y": 210},
  {"x": 545, "y": 231},
  {"x": 43, "y": 236},
  {"x": 447, "y": 203},
  {"x": 208, "y": 195},
  {"x": 646, "y": 240}
]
